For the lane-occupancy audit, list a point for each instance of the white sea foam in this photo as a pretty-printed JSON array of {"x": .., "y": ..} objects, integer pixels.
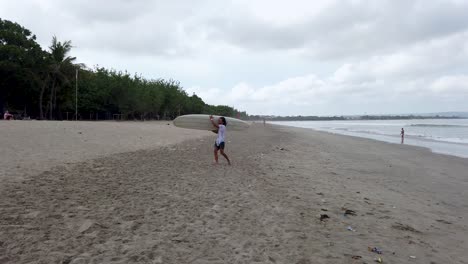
[{"x": 448, "y": 136}]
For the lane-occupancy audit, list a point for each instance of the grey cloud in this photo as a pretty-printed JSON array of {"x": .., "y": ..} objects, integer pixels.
[
  {"x": 142, "y": 27},
  {"x": 116, "y": 11},
  {"x": 123, "y": 11},
  {"x": 152, "y": 40},
  {"x": 248, "y": 33},
  {"x": 347, "y": 29},
  {"x": 342, "y": 30},
  {"x": 351, "y": 52}
]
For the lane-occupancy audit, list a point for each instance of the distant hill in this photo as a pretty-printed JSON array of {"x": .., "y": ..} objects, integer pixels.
[
  {"x": 440, "y": 115},
  {"x": 447, "y": 114}
]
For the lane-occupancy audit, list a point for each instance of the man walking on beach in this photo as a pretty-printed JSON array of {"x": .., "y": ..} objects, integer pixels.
[
  {"x": 402, "y": 134},
  {"x": 220, "y": 142}
]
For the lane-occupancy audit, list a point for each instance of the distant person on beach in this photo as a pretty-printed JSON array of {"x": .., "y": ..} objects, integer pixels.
[
  {"x": 7, "y": 116},
  {"x": 264, "y": 121},
  {"x": 219, "y": 145},
  {"x": 402, "y": 134}
]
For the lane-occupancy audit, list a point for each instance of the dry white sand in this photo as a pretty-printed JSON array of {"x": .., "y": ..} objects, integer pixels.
[
  {"x": 170, "y": 205},
  {"x": 30, "y": 147}
]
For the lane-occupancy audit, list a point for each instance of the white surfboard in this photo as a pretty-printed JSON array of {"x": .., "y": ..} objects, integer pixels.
[{"x": 202, "y": 122}]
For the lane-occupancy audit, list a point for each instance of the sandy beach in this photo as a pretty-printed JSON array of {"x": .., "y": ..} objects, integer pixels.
[
  {"x": 31, "y": 147},
  {"x": 148, "y": 193}
]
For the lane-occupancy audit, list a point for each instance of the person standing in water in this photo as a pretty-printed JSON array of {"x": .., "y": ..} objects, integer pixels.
[
  {"x": 220, "y": 142},
  {"x": 402, "y": 134}
]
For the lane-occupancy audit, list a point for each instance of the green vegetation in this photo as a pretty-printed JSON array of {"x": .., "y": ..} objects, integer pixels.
[
  {"x": 41, "y": 84},
  {"x": 296, "y": 118}
]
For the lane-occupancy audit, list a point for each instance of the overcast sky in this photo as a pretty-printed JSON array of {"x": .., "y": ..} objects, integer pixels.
[{"x": 274, "y": 57}]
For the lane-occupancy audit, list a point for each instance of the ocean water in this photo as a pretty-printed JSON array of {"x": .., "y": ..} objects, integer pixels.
[{"x": 446, "y": 136}]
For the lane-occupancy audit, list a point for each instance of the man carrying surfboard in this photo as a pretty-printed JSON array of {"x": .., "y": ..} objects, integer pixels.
[{"x": 220, "y": 143}]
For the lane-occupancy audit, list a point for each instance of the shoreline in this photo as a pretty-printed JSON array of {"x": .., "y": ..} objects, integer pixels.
[
  {"x": 170, "y": 205},
  {"x": 408, "y": 141}
]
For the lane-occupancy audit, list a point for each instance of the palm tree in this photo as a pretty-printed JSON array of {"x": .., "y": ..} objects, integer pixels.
[{"x": 60, "y": 69}]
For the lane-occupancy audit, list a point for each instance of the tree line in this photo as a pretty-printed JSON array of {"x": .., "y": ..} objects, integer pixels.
[
  {"x": 296, "y": 118},
  {"x": 41, "y": 84}
]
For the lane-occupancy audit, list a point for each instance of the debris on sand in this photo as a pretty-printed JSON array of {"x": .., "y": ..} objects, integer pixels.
[
  {"x": 349, "y": 212},
  {"x": 375, "y": 250},
  {"x": 324, "y": 217},
  {"x": 403, "y": 227}
]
